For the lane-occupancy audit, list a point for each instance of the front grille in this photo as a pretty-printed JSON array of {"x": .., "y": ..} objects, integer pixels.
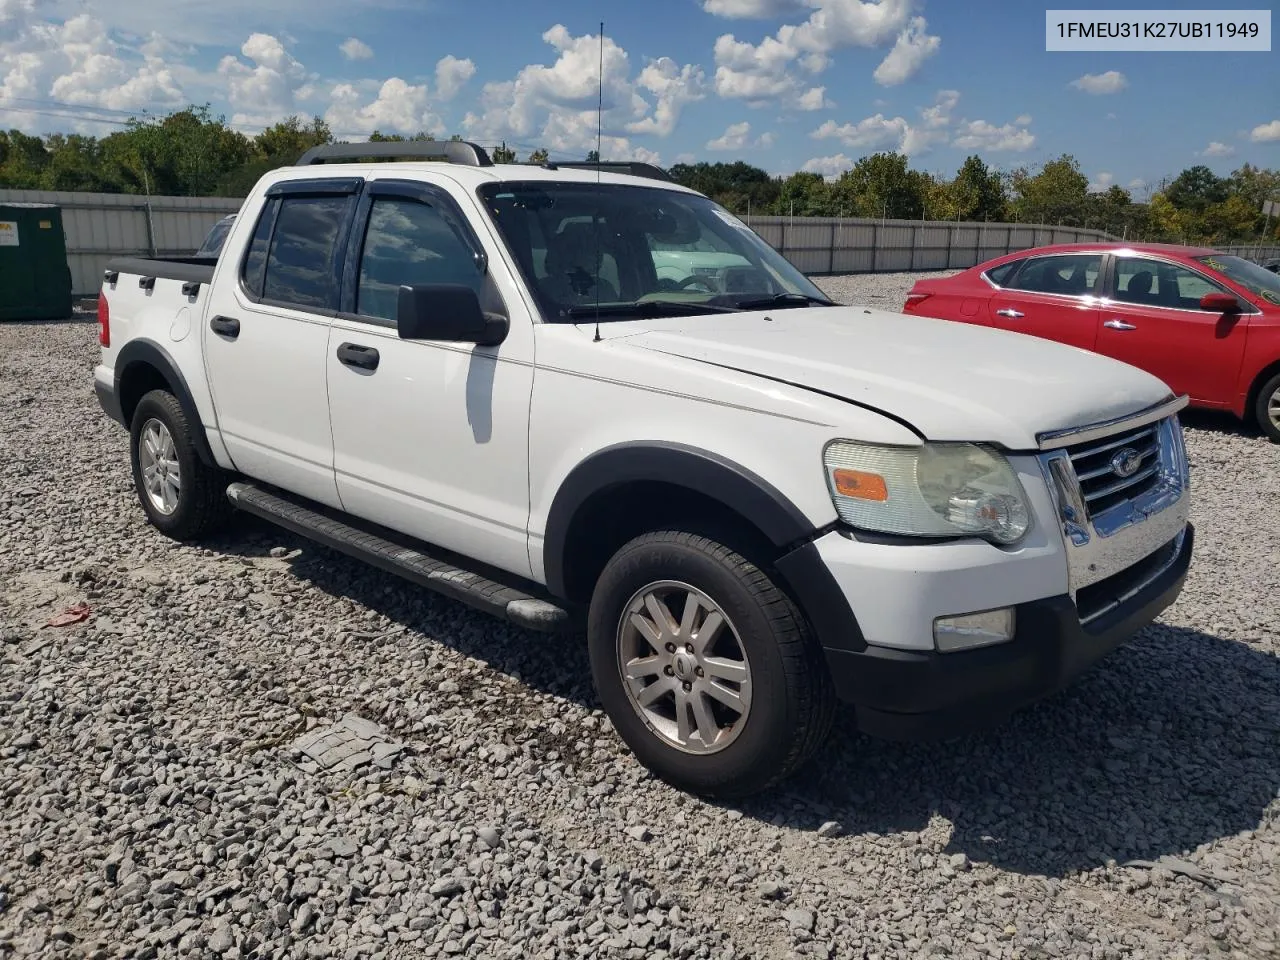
[
  {"x": 1107, "y": 594},
  {"x": 1100, "y": 484}
]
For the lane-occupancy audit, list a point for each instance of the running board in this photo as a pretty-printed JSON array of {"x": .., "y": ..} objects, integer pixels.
[{"x": 470, "y": 588}]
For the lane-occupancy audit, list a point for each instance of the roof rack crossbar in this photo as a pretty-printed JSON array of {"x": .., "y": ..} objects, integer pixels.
[
  {"x": 633, "y": 167},
  {"x": 454, "y": 151}
]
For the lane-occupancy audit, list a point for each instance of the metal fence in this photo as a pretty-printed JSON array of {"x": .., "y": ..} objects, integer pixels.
[
  {"x": 826, "y": 245},
  {"x": 104, "y": 225},
  {"x": 100, "y": 226}
]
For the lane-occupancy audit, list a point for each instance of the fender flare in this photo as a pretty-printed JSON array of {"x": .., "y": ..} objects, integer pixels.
[
  {"x": 144, "y": 352},
  {"x": 735, "y": 487}
]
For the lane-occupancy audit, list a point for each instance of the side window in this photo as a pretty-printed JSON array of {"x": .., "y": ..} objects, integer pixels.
[
  {"x": 300, "y": 267},
  {"x": 1154, "y": 283},
  {"x": 1072, "y": 275},
  {"x": 254, "y": 271},
  {"x": 409, "y": 241},
  {"x": 998, "y": 275}
]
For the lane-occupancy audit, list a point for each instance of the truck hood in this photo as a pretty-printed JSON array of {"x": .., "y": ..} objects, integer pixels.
[{"x": 949, "y": 381}]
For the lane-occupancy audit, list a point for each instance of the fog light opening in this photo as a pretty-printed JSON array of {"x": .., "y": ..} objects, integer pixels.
[{"x": 971, "y": 630}]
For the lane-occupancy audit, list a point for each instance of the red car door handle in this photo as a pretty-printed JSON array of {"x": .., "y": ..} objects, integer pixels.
[
  {"x": 1010, "y": 312},
  {"x": 1119, "y": 325}
]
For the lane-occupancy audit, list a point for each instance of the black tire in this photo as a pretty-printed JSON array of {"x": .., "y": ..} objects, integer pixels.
[
  {"x": 792, "y": 701},
  {"x": 1269, "y": 393},
  {"x": 201, "y": 507}
]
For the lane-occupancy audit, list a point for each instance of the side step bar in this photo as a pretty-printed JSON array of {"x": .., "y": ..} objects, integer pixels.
[{"x": 454, "y": 582}]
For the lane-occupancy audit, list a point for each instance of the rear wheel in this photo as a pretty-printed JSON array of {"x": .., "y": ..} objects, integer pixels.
[
  {"x": 1266, "y": 409},
  {"x": 182, "y": 496},
  {"x": 705, "y": 666}
]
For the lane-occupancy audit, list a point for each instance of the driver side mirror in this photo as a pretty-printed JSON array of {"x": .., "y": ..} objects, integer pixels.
[
  {"x": 449, "y": 312},
  {"x": 1219, "y": 303}
]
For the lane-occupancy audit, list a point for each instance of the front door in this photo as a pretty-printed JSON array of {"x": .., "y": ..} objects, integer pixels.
[
  {"x": 1053, "y": 297},
  {"x": 1152, "y": 319},
  {"x": 266, "y": 335},
  {"x": 430, "y": 438}
]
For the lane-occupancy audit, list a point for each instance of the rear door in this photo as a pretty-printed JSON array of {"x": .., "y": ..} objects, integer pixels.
[
  {"x": 266, "y": 336},
  {"x": 1152, "y": 319},
  {"x": 1054, "y": 297}
]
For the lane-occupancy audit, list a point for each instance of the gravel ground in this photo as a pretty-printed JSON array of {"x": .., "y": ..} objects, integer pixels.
[{"x": 158, "y": 805}]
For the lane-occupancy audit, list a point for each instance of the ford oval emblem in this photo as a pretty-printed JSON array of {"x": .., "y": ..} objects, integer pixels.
[{"x": 1126, "y": 463}]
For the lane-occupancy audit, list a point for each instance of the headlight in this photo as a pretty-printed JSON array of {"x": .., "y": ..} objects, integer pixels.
[{"x": 934, "y": 490}]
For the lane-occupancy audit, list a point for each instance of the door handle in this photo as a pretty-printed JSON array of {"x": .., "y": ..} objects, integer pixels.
[
  {"x": 225, "y": 326},
  {"x": 1119, "y": 325},
  {"x": 354, "y": 355},
  {"x": 1010, "y": 312}
]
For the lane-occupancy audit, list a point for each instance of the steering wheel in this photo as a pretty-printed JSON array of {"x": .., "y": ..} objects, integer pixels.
[{"x": 694, "y": 278}]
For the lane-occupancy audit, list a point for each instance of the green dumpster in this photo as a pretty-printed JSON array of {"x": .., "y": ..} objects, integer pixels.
[{"x": 35, "y": 281}]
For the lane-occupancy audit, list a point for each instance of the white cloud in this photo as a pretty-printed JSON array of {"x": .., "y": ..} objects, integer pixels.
[
  {"x": 1111, "y": 116},
  {"x": 912, "y": 48},
  {"x": 751, "y": 9},
  {"x": 1137, "y": 184},
  {"x": 1023, "y": 119},
  {"x": 830, "y": 167},
  {"x": 673, "y": 86},
  {"x": 1266, "y": 132},
  {"x": 686, "y": 158},
  {"x": 1218, "y": 149},
  {"x": 556, "y": 105},
  {"x": 269, "y": 87},
  {"x": 399, "y": 107},
  {"x": 354, "y": 48},
  {"x": 738, "y": 137},
  {"x": 879, "y": 132},
  {"x": 984, "y": 136},
  {"x": 452, "y": 75},
  {"x": 1102, "y": 182},
  {"x": 78, "y": 62},
  {"x": 1113, "y": 81},
  {"x": 778, "y": 68}
]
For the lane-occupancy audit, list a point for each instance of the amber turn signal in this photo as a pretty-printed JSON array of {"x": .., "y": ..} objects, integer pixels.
[{"x": 860, "y": 485}]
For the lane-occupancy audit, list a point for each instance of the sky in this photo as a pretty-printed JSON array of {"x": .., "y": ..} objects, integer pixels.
[{"x": 782, "y": 84}]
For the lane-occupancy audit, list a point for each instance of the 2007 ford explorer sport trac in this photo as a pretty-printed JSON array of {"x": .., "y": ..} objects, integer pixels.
[{"x": 498, "y": 382}]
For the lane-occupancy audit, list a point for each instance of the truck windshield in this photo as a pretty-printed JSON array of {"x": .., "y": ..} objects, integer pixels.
[
  {"x": 1257, "y": 280},
  {"x": 583, "y": 244}
]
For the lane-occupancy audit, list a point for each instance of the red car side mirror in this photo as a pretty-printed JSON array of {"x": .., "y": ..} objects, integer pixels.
[{"x": 1219, "y": 303}]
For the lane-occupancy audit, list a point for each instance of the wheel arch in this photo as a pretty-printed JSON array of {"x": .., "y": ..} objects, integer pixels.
[
  {"x": 1255, "y": 387},
  {"x": 143, "y": 365},
  {"x": 628, "y": 489}
]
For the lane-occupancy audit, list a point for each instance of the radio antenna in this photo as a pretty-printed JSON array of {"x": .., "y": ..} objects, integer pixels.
[{"x": 599, "y": 140}]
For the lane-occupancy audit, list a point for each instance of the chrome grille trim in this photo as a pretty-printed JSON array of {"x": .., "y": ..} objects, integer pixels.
[
  {"x": 1103, "y": 539},
  {"x": 1054, "y": 439}
]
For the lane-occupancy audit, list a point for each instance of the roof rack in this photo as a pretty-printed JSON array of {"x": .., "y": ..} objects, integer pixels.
[
  {"x": 454, "y": 151},
  {"x": 633, "y": 167}
]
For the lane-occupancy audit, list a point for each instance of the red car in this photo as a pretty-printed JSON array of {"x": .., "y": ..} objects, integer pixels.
[{"x": 1206, "y": 323}]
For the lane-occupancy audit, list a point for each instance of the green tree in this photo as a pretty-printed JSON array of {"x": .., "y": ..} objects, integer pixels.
[
  {"x": 807, "y": 195},
  {"x": 539, "y": 156},
  {"x": 978, "y": 192},
  {"x": 882, "y": 185},
  {"x": 22, "y": 160},
  {"x": 1058, "y": 193},
  {"x": 737, "y": 186},
  {"x": 503, "y": 154},
  {"x": 1197, "y": 188},
  {"x": 593, "y": 156}
]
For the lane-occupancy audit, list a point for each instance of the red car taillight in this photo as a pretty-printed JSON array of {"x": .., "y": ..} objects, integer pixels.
[
  {"x": 104, "y": 321},
  {"x": 915, "y": 299}
]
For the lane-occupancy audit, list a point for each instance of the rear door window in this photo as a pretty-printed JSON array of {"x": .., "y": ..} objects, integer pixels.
[{"x": 1068, "y": 275}]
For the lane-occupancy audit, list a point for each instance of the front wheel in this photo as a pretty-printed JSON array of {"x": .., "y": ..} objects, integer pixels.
[
  {"x": 182, "y": 496},
  {"x": 1266, "y": 409},
  {"x": 706, "y": 668}
]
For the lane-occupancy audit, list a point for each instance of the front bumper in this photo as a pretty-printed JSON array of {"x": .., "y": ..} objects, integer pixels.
[{"x": 916, "y": 694}]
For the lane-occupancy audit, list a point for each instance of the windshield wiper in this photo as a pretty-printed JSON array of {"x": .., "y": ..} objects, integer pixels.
[
  {"x": 784, "y": 300},
  {"x": 648, "y": 308}
]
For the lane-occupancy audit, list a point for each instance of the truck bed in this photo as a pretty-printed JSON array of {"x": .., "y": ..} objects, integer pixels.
[{"x": 186, "y": 269}]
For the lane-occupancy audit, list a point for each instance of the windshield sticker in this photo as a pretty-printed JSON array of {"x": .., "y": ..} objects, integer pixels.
[
  {"x": 1215, "y": 264},
  {"x": 1271, "y": 296}
]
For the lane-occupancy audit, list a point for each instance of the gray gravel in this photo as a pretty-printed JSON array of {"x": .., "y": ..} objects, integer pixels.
[{"x": 157, "y": 804}]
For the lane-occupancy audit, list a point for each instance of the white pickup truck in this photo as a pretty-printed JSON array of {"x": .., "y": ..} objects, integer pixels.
[{"x": 755, "y": 502}]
